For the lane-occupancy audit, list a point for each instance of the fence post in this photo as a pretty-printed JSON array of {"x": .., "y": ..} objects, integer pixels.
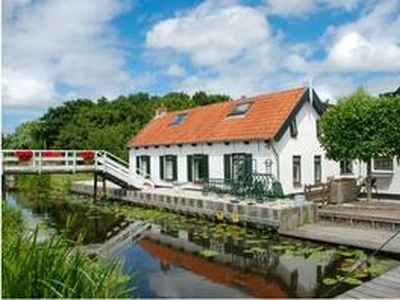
[
  {"x": 95, "y": 187},
  {"x": 39, "y": 162},
  {"x": 74, "y": 162}
]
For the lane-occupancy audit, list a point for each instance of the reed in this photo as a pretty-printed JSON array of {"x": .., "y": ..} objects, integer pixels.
[{"x": 50, "y": 269}]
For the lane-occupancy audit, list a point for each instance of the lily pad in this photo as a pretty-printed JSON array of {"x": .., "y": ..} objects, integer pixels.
[
  {"x": 329, "y": 281},
  {"x": 209, "y": 253},
  {"x": 353, "y": 281}
]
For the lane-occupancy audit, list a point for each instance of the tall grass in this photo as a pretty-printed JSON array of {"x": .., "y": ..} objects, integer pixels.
[{"x": 53, "y": 269}]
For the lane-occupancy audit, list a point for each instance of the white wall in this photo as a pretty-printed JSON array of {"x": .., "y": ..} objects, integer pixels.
[
  {"x": 215, "y": 153},
  {"x": 306, "y": 145},
  {"x": 387, "y": 182}
]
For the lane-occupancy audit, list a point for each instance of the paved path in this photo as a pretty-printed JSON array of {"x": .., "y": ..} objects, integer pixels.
[
  {"x": 346, "y": 235},
  {"x": 385, "y": 286}
]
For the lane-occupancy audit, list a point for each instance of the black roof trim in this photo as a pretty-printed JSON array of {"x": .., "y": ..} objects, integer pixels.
[
  {"x": 318, "y": 105},
  {"x": 391, "y": 94}
]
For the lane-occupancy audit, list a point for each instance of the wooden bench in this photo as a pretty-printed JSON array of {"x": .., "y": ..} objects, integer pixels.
[{"x": 318, "y": 193}]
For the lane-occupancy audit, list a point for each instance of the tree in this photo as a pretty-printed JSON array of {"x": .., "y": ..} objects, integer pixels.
[
  {"x": 104, "y": 124},
  {"x": 361, "y": 127}
]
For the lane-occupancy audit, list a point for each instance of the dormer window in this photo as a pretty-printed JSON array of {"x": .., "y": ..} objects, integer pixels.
[
  {"x": 293, "y": 128},
  {"x": 178, "y": 119},
  {"x": 240, "y": 109}
]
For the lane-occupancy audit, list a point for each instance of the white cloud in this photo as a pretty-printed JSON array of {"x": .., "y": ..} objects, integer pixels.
[
  {"x": 211, "y": 35},
  {"x": 175, "y": 70},
  {"x": 369, "y": 44},
  {"x": 19, "y": 90},
  {"x": 69, "y": 43},
  {"x": 289, "y": 8},
  {"x": 354, "y": 52}
]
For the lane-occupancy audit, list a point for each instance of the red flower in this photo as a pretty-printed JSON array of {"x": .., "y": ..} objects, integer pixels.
[
  {"x": 24, "y": 155},
  {"x": 50, "y": 153},
  {"x": 87, "y": 154}
]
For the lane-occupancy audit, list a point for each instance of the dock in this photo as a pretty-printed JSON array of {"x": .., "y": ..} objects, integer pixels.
[
  {"x": 282, "y": 214},
  {"x": 384, "y": 286},
  {"x": 371, "y": 239}
]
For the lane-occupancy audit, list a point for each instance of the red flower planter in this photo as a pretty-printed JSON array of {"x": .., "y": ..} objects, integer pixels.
[
  {"x": 24, "y": 155},
  {"x": 87, "y": 155},
  {"x": 50, "y": 153}
]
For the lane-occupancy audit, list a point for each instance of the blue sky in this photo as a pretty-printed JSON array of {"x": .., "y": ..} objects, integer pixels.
[{"x": 57, "y": 50}]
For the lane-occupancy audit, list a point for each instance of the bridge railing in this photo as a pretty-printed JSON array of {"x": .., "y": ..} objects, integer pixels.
[{"x": 37, "y": 160}]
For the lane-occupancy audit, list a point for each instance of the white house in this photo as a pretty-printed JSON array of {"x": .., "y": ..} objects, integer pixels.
[{"x": 273, "y": 133}]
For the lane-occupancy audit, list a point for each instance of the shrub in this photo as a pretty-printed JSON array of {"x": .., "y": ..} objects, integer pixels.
[{"x": 53, "y": 269}]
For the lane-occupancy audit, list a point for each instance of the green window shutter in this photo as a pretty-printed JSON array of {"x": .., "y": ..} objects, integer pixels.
[
  {"x": 205, "y": 174},
  {"x": 137, "y": 164},
  {"x": 227, "y": 167},
  {"x": 248, "y": 165},
  {"x": 162, "y": 167},
  {"x": 174, "y": 168},
  {"x": 148, "y": 166},
  {"x": 190, "y": 168}
]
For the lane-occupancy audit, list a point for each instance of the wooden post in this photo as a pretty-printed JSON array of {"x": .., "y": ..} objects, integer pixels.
[
  {"x": 104, "y": 188},
  {"x": 3, "y": 186},
  {"x": 95, "y": 187}
]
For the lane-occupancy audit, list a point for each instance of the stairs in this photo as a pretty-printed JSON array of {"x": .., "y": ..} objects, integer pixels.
[{"x": 117, "y": 171}]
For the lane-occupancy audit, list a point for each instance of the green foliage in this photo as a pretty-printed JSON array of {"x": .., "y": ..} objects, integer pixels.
[
  {"x": 106, "y": 125},
  {"x": 13, "y": 223},
  {"x": 362, "y": 127},
  {"x": 52, "y": 269},
  {"x": 208, "y": 253},
  {"x": 26, "y": 136}
]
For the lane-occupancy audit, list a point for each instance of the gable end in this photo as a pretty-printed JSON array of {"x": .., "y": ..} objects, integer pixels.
[{"x": 318, "y": 105}]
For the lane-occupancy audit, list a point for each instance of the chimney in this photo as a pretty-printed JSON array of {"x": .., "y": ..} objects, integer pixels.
[{"x": 160, "y": 112}]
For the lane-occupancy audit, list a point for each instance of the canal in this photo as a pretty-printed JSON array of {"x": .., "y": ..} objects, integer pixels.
[{"x": 181, "y": 256}]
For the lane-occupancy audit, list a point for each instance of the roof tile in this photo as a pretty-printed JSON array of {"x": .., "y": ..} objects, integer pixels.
[{"x": 210, "y": 124}]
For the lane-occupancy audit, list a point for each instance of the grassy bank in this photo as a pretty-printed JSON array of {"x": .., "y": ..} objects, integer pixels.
[
  {"x": 52, "y": 268},
  {"x": 48, "y": 184}
]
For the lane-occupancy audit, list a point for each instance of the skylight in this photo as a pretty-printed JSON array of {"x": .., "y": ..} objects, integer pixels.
[
  {"x": 178, "y": 119},
  {"x": 240, "y": 109}
]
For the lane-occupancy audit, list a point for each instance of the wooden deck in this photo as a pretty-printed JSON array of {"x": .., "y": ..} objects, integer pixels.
[
  {"x": 385, "y": 286},
  {"x": 346, "y": 235}
]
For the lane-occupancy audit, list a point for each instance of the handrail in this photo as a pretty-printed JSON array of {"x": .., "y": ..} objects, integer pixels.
[{"x": 71, "y": 161}]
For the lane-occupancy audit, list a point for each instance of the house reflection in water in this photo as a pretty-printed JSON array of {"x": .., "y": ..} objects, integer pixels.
[
  {"x": 270, "y": 274},
  {"x": 255, "y": 284}
]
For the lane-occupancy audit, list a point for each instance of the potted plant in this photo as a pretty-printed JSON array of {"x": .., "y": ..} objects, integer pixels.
[
  {"x": 24, "y": 155},
  {"x": 87, "y": 155}
]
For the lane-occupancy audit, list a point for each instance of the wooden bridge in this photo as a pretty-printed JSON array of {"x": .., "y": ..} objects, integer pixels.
[{"x": 74, "y": 161}]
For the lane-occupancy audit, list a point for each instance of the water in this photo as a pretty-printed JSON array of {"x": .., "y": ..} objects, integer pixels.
[{"x": 169, "y": 260}]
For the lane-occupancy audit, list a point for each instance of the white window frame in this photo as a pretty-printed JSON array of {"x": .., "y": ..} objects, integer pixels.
[
  {"x": 384, "y": 171},
  {"x": 345, "y": 162}
]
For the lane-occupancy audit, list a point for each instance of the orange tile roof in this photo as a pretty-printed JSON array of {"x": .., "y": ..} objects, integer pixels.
[{"x": 209, "y": 123}]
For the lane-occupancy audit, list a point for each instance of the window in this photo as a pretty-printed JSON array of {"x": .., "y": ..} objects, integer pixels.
[
  {"x": 197, "y": 168},
  {"x": 318, "y": 129},
  {"x": 143, "y": 165},
  {"x": 240, "y": 109},
  {"x": 317, "y": 169},
  {"x": 383, "y": 163},
  {"x": 168, "y": 168},
  {"x": 293, "y": 128},
  {"x": 296, "y": 170},
  {"x": 178, "y": 119},
  {"x": 346, "y": 167},
  {"x": 237, "y": 166}
]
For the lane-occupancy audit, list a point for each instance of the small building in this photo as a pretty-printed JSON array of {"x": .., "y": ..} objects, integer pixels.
[{"x": 276, "y": 133}]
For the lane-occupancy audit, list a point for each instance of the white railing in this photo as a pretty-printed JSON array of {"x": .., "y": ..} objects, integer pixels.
[{"x": 71, "y": 161}]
